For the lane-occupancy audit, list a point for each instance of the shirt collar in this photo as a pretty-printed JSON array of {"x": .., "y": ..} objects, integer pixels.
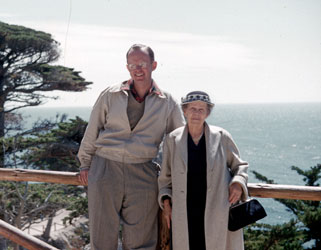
[{"x": 129, "y": 85}]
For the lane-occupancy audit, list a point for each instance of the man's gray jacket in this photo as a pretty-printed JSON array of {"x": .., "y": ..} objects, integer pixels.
[{"x": 109, "y": 135}]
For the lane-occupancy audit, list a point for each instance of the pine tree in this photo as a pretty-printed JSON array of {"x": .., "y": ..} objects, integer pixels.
[
  {"x": 26, "y": 70},
  {"x": 303, "y": 232}
]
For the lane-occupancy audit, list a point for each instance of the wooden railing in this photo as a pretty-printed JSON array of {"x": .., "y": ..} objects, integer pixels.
[
  {"x": 260, "y": 190},
  {"x": 16, "y": 235}
]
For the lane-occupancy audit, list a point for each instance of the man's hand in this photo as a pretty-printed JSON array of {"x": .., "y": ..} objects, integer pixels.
[
  {"x": 83, "y": 177},
  {"x": 167, "y": 212},
  {"x": 235, "y": 191}
]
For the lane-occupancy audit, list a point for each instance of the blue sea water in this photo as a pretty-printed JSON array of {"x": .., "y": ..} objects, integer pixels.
[{"x": 271, "y": 137}]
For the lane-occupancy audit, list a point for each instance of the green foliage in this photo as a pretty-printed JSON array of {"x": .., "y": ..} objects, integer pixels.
[
  {"x": 50, "y": 146},
  {"x": 78, "y": 207},
  {"x": 294, "y": 234},
  {"x": 39, "y": 201},
  {"x": 20, "y": 39},
  {"x": 312, "y": 176},
  {"x": 81, "y": 237},
  {"x": 57, "y": 149},
  {"x": 273, "y": 237}
]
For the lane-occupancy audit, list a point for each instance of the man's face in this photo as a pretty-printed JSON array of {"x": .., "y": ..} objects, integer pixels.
[
  {"x": 196, "y": 113},
  {"x": 140, "y": 67}
]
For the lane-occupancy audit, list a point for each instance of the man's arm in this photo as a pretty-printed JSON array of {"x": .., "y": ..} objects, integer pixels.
[
  {"x": 87, "y": 147},
  {"x": 175, "y": 118}
]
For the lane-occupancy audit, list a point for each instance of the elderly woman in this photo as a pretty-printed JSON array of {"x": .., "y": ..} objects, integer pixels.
[{"x": 202, "y": 175}]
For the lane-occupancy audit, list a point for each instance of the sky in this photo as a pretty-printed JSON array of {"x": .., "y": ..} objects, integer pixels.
[{"x": 239, "y": 51}]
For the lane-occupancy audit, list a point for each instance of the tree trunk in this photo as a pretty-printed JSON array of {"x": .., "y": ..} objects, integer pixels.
[
  {"x": 46, "y": 233},
  {"x": 20, "y": 213},
  {"x": 2, "y": 156},
  {"x": 2, "y": 117},
  {"x": 1, "y": 122}
]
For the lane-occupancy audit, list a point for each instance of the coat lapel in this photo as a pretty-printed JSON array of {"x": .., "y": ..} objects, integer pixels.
[
  {"x": 213, "y": 138},
  {"x": 182, "y": 145}
]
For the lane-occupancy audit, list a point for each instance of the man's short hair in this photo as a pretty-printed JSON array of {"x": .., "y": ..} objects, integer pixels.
[{"x": 143, "y": 48}]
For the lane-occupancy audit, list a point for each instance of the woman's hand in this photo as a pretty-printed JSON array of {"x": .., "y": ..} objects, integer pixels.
[
  {"x": 167, "y": 212},
  {"x": 83, "y": 177},
  {"x": 235, "y": 191}
]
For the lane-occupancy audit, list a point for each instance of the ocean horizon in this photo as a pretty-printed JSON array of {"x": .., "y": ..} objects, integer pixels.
[{"x": 272, "y": 137}]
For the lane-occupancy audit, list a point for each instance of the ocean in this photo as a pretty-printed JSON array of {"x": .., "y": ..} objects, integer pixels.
[{"x": 271, "y": 137}]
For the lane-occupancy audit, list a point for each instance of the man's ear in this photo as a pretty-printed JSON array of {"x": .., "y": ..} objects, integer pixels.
[{"x": 154, "y": 65}]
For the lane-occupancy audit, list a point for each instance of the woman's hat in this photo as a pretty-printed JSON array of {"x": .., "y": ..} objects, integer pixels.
[{"x": 197, "y": 96}]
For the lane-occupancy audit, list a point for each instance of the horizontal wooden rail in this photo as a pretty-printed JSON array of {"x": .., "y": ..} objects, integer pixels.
[
  {"x": 278, "y": 191},
  {"x": 255, "y": 189},
  {"x": 23, "y": 239},
  {"x": 7, "y": 174}
]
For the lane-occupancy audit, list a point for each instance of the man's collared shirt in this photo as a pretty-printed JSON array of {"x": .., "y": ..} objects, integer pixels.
[{"x": 129, "y": 86}]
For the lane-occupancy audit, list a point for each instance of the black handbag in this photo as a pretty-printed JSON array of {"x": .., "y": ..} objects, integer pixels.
[{"x": 245, "y": 213}]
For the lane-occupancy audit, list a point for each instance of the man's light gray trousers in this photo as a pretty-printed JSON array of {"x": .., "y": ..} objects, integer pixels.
[{"x": 122, "y": 191}]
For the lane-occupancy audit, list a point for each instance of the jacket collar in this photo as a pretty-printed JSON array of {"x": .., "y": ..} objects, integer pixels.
[{"x": 127, "y": 85}]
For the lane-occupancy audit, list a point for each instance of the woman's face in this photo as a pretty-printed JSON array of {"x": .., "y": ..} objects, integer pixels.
[{"x": 196, "y": 113}]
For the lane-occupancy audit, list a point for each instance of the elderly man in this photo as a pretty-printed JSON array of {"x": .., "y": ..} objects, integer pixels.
[{"x": 126, "y": 126}]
